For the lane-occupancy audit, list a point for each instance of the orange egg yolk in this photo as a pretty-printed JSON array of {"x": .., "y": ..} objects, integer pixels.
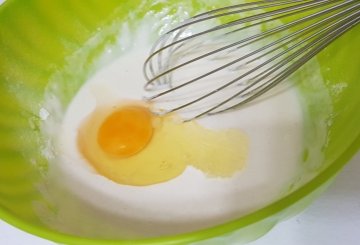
[{"x": 126, "y": 131}]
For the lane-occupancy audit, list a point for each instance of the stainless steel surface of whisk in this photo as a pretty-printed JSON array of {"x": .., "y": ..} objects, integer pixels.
[{"x": 224, "y": 58}]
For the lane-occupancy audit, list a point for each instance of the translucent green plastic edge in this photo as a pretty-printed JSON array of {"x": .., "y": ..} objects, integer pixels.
[{"x": 229, "y": 227}]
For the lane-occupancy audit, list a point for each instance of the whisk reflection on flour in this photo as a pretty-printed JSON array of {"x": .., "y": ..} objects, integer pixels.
[{"x": 220, "y": 60}]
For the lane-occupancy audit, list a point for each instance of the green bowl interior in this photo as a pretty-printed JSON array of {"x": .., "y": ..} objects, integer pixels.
[{"x": 58, "y": 43}]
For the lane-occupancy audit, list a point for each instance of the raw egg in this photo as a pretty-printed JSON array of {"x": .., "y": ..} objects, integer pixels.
[
  {"x": 129, "y": 145},
  {"x": 126, "y": 131}
]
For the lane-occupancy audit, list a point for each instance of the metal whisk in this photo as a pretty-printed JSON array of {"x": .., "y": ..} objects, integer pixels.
[{"x": 224, "y": 58}]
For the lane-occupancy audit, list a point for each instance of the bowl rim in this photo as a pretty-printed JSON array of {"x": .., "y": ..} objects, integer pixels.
[{"x": 204, "y": 234}]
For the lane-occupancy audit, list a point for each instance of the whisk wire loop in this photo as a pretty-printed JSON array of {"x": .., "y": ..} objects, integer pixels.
[{"x": 224, "y": 58}]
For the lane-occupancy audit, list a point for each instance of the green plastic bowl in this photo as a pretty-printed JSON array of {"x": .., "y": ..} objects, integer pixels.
[{"x": 39, "y": 44}]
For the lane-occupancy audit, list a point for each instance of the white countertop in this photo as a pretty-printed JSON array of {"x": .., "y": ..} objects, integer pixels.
[{"x": 333, "y": 219}]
